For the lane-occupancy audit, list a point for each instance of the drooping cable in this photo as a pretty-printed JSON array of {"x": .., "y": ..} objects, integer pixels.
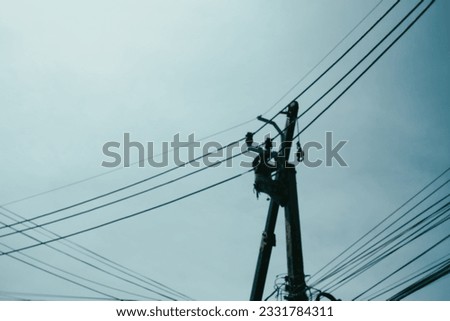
[
  {"x": 224, "y": 147},
  {"x": 221, "y": 131},
  {"x": 352, "y": 257},
  {"x": 432, "y": 277},
  {"x": 411, "y": 277},
  {"x": 383, "y": 51},
  {"x": 96, "y": 267},
  {"x": 339, "y": 282},
  {"x": 205, "y": 155},
  {"x": 128, "y": 216},
  {"x": 402, "y": 267},
  {"x": 372, "y": 63},
  {"x": 61, "y": 277},
  {"x": 379, "y": 224}
]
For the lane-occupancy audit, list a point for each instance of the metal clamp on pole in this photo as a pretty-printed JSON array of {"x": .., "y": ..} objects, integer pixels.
[{"x": 269, "y": 239}]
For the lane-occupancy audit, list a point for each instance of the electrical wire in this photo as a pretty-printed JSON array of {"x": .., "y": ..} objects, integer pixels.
[
  {"x": 115, "y": 170},
  {"x": 184, "y": 176},
  {"x": 224, "y": 147},
  {"x": 418, "y": 273},
  {"x": 203, "y": 156},
  {"x": 344, "y": 263},
  {"x": 61, "y": 277},
  {"x": 371, "y": 64},
  {"x": 128, "y": 216},
  {"x": 108, "y": 262},
  {"x": 119, "y": 189},
  {"x": 379, "y": 224},
  {"x": 105, "y": 204},
  {"x": 97, "y": 267},
  {"x": 407, "y": 240},
  {"x": 279, "y": 287},
  {"x": 375, "y": 247},
  {"x": 383, "y": 52},
  {"x": 403, "y": 266},
  {"x": 379, "y": 246},
  {"x": 356, "y": 79},
  {"x": 76, "y": 276},
  {"x": 331, "y": 51},
  {"x": 221, "y": 131},
  {"x": 443, "y": 271},
  {"x": 338, "y": 283},
  {"x": 111, "y": 264},
  {"x": 359, "y": 62},
  {"x": 40, "y": 296},
  {"x": 348, "y": 260},
  {"x": 349, "y": 49},
  {"x": 376, "y": 58}
]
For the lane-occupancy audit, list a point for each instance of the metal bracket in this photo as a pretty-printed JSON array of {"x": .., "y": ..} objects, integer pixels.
[
  {"x": 274, "y": 124},
  {"x": 269, "y": 240}
]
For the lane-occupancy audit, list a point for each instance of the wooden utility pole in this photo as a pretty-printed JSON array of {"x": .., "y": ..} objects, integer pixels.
[
  {"x": 296, "y": 286},
  {"x": 296, "y": 279}
]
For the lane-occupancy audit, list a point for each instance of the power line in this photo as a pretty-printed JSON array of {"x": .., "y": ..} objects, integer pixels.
[
  {"x": 329, "y": 90},
  {"x": 110, "y": 222},
  {"x": 114, "y": 170},
  {"x": 379, "y": 224},
  {"x": 216, "y": 133},
  {"x": 443, "y": 271},
  {"x": 418, "y": 273},
  {"x": 95, "y": 266},
  {"x": 231, "y": 144},
  {"x": 341, "y": 94},
  {"x": 111, "y": 264},
  {"x": 75, "y": 275},
  {"x": 348, "y": 260},
  {"x": 42, "y": 296},
  {"x": 359, "y": 62},
  {"x": 402, "y": 267},
  {"x": 344, "y": 263},
  {"x": 405, "y": 241},
  {"x": 376, "y": 248},
  {"x": 130, "y": 215},
  {"x": 103, "y": 224},
  {"x": 116, "y": 190},
  {"x": 333, "y": 49},
  {"x": 366, "y": 69},
  {"x": 163, "y": 203},
  {"x": 371, "y": 64},
  {"x": 60, "y": 276},
  {"x": 106, "y": 204},
  {"x": 136, "y": 183},
  {"x": 236, "y": 141},
  {"x": 347, "y": 51}
]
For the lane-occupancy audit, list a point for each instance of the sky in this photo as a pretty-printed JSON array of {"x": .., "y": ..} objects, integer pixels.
[{"x": 77, "y": 75}]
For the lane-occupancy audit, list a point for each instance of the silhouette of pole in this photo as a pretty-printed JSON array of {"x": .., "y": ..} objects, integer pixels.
[{"x": 296, "y": 282}]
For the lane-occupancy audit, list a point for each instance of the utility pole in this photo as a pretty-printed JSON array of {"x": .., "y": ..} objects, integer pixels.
[{"x": 296, "y": 285}]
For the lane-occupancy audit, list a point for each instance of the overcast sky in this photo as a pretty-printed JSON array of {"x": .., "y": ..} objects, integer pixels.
[{"x": 76, "y": 75}]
